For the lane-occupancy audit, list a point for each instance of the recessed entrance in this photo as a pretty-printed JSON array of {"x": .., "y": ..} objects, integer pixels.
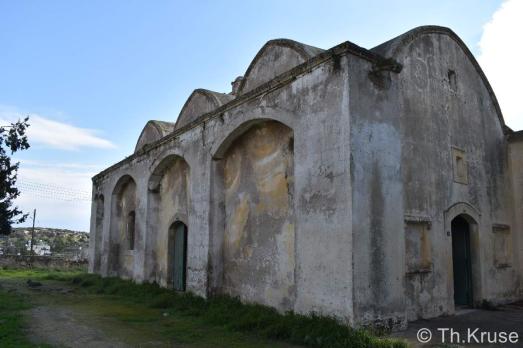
[
  {"x": 178, "y": 255},
  {"x": 462, "y": 262}
]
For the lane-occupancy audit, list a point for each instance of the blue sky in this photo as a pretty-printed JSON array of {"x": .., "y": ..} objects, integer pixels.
[{"x": 91, "y": 73}]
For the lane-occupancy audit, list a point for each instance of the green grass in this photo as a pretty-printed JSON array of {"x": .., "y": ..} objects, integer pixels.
[
  {"x": 11, "y": 321},
  {"x": 195, "y": 318}
]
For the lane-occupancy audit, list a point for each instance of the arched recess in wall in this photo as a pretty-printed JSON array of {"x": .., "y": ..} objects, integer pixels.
[
  {"x": 123, "y": 228},
  {"x": 252, "y": 243},
  {"x": 168, "y": 203},
  {"x": 99, "y": 220}
]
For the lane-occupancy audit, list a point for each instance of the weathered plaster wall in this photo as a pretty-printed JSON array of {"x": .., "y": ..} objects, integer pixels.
[
  {"x": 275, "y": 58},
  {"x": 377, "y": 197},
  {"x": 314, "y": 105},
  {"x": 258, "y": 251},
  {"x": 447, "y": 106},
  {"x": 200, "y": 102},
  {"x": 405, "y": 135},
  {"x": 516, "y": 170},
  {"x": 96, "y": 240},
  {"x": 322, "y": 211},
  {"x": 153, "y": 131}
]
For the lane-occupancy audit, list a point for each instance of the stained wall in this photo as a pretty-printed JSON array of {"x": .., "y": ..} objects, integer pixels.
[{"x": 259, "y": 241}]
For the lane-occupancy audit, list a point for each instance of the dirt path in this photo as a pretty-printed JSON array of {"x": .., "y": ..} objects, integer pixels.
[
  {"x": 62, "y": 327},
  {"x": 64, "y": 316},
  {"x": 61, "y": 318}
]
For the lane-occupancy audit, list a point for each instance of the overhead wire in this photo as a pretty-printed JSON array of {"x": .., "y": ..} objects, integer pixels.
[{"x": 53, "y": 192}]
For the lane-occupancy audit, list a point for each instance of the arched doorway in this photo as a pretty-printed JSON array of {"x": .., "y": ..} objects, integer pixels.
[
  {"x": 177, "y": 264},
  {"x": 462, "y": 262}
]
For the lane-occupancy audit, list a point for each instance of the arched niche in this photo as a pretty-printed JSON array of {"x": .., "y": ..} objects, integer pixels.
[
  {"x": 168, "y": 203},
  {"x": 252, "y": 244},
  {"x": 123, "y": 228}
]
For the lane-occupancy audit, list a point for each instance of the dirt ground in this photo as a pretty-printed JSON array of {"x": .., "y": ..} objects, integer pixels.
[{"x": 62, "y": 317}]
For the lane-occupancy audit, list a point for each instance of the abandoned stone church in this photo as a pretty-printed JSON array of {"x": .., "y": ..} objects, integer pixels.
[{"x": 378, "y": 186}]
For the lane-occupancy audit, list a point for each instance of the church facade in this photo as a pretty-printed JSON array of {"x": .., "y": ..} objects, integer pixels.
[{"x": 378, "y": 186}]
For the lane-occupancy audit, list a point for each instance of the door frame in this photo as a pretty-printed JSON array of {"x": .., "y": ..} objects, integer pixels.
[{"x": 473, "y": 217}]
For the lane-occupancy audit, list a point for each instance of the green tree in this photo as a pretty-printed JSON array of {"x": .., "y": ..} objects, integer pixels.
[{"x": 12, "y": 139}]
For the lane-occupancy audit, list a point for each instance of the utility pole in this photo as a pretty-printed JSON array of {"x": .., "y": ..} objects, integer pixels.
[{"x": 33, "y": 233}]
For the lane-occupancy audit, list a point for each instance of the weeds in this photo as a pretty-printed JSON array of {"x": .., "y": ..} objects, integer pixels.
[
  {"x": 224, "y": 311},
  {"x": 228, "y": 313}
]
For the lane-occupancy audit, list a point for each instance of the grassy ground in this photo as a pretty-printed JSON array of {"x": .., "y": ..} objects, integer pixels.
[
  {"x": 187, "y": 319},
  {"x": 11, "y": 321}
]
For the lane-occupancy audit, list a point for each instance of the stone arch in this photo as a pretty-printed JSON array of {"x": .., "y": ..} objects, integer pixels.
[
  {"x": 123, "y": 206},
  {"x": 473, "y": 218},
  {"x": 168, "y": 202},
  {"x": 252, "y": 245},
  {"x": 98, "y": 230},
  {"x": 239, "y": 125}
]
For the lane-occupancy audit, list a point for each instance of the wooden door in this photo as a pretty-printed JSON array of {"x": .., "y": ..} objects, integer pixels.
[{"x": 180, "y": 257}]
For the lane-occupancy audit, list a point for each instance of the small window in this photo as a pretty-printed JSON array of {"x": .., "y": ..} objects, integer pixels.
[
  {"x": 452, "y": 80},
  {"x": 131, "y": 229},
  {"x": 460, "y": 166}
]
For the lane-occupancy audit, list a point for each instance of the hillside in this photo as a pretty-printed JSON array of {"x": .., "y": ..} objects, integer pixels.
[{"x": 47, "y": 241}]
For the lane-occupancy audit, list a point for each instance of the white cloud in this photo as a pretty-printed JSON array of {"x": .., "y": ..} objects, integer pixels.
[
  {"x": 500, "y": 58},
  {"x": 59, "y": 192},
  {"x": 56, "y": 134}
]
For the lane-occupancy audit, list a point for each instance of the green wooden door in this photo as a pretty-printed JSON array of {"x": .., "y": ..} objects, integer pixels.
[
  {"x": 180, "y": 257},
  {"x": 461, "y": 262}
]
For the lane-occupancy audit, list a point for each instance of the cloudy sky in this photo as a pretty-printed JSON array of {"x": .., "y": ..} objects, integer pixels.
[{"x": 91, "y": 73}]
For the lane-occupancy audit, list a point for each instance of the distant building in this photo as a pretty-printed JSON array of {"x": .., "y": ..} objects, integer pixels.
[{"x": 40, "y": 248}]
